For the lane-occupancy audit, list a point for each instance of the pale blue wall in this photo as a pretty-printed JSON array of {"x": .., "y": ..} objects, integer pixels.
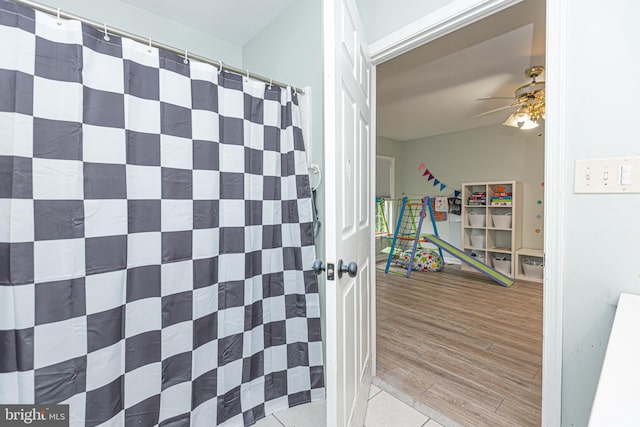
[
  {"x": 602, "y": 89},
  {"x": 383, "y": 17},
  {"x": 491, "y": 153},
  {"x": 146, "y": 24},
  {"x": 387, "y": 147}
]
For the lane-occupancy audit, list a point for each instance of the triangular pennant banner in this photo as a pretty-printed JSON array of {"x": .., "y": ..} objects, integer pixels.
[{"x": 436, "y": 181}]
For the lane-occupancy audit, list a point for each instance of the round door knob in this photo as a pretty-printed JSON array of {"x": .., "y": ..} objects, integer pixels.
[
  {"x": 351, "y": 269},
  {"x": 318, "y": 267}
]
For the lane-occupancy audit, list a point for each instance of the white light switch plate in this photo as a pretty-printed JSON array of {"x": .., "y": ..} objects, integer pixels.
[{"x": 612, "y": 175}]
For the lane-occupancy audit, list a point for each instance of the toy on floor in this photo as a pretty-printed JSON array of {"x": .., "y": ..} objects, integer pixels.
[{"x": 424, "y": 260}]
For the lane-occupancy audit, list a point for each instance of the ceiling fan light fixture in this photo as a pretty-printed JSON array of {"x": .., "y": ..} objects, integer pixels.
[
  {"x": 530, "y": 101},
  {"x": 528, "y": 124},
  {"x": 512, "y": 120},
  {"x": 521, "y": 119}
]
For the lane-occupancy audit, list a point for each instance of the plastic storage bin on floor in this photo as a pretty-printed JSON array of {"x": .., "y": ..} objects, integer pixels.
[{"x": 532, "y": 269}]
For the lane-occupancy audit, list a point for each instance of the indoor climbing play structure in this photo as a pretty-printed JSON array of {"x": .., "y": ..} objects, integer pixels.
[
  {"x": 407, "y": 240},
  {"x": 407, "y": 249}
]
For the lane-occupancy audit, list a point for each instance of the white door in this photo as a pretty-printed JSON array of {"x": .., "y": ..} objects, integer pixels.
[{"x": 349, "y": 214}]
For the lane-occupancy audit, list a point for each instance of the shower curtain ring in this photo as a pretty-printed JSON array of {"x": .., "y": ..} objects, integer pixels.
[
  {"x": 150, "y": 47},
  {"x": 186, "y": 56},
  {"x": 247, "y": 75},
  {"x": 58, "y": 17},
  {"x": 106, "y": 33},
  {"x": 220, "y": 66},
  {"x": 270, "y": 82}
]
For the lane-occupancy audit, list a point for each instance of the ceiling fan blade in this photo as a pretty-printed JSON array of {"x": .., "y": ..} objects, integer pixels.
[
  {"x": 489, "y": 98},
  {"x": 493, "y": 111}
]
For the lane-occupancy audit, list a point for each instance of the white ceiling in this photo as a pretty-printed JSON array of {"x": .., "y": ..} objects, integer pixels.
[
  {"x": 433, "y": 89},
  {"x": 236, "y": 21}
]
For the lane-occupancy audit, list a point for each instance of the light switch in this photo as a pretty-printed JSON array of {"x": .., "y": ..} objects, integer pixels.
[
  {"x": 612, "y": 175},
  {"x": 624, "y": 174}
]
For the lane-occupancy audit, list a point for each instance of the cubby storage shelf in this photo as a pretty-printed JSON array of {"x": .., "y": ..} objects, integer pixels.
[{"x": 500, "y": 239}]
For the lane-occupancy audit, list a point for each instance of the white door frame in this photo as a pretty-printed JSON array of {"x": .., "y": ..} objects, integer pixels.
[
  {"x": 374, "y": 288},
  {"x": 456, "y": 15}
]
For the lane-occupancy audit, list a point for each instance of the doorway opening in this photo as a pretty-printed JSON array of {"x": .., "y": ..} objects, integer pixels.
[{"x": 455, "y": 151}]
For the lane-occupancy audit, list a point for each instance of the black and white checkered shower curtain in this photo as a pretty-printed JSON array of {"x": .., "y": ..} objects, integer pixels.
[{"x": 156, "y": 234}]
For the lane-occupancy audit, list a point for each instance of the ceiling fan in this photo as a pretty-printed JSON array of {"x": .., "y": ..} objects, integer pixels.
[{"x": 528, "y": 102}]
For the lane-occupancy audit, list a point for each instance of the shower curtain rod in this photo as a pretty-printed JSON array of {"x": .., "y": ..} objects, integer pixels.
[{"x": 147, "y": 40}]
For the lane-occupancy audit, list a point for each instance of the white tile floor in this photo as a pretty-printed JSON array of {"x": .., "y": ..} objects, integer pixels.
[{"x": 383, "y": 410}]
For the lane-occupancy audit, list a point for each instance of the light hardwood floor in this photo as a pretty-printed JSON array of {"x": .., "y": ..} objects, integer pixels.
[{"x": 462, "y": 345}]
